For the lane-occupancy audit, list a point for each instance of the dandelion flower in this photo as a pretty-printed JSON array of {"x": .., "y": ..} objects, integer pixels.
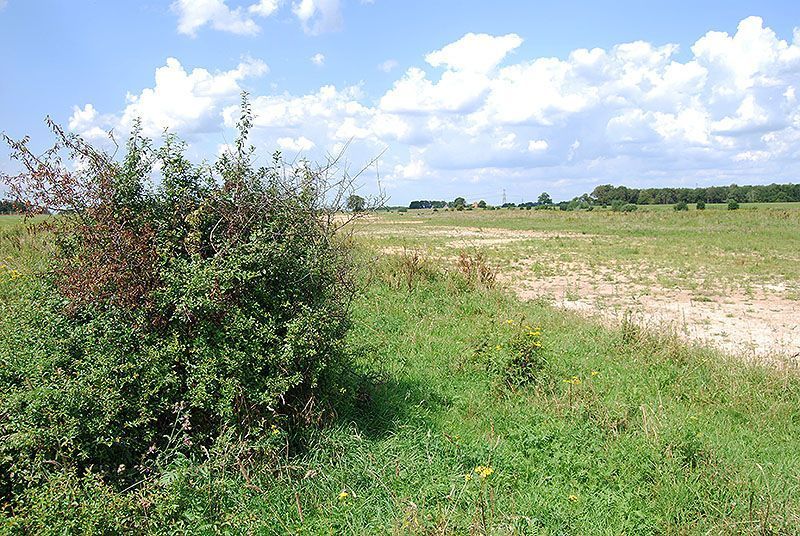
[
  {"x": 573, "y": 498},
  {"x": 595, "y": 373},
  {"x": 343, "y": 495}
]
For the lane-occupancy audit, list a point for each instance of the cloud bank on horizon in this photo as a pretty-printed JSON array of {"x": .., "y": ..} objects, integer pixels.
[{"x": 473, "y": 113}]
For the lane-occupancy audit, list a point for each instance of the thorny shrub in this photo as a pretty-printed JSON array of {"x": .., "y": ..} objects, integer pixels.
[{"x": 214, "y": 299}]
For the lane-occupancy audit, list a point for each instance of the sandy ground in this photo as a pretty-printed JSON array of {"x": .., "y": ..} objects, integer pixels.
[{"x": 761, "y": 322}]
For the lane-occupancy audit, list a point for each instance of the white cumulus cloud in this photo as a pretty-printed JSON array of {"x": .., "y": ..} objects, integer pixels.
[
  {"x": 537, "y": 145},
  {"x": 474, "y": 52},
  {"x": 264, "y": 8},
  {"x": 300, "y": 144},
  {"x": 194, "y": 14},
  {"x": 187, "y": 102},
  {"x": 318, "y": 16},
  {"x": 474, "y": 111}
]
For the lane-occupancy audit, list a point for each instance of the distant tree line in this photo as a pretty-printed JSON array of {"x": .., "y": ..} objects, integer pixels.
[
  {"x": 11, "y": 207},
  {"x": 606, "y": 194},
  {"x": 622, "y": 196}
]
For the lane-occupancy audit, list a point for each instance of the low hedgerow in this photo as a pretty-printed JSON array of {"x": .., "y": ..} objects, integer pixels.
[{"x": 214, "y": 303}]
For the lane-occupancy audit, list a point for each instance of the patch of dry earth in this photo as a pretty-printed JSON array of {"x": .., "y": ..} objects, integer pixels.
[{"x": 759, "y": 324}]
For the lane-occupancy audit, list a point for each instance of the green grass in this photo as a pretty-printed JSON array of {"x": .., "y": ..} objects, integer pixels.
[
  {"x": 759, "y": 243},
  {"x": 664, "y": 438}
]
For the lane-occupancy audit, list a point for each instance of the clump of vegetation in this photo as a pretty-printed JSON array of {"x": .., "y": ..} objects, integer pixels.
[
  {"x": 210, "y": 307},
  {"x": 680, "y": 206},
  {"x": 476, "y": 269},
  {"x": 700, "y": 205},
  {"x": 732, "y": 204},
  {"x": 408, "y": 269},
  {"x": 620, "y": 206},
  {"x": 524, "y": 361}
]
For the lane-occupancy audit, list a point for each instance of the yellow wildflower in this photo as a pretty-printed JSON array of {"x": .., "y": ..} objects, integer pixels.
[
  {"x": 573, "y": 498},
  {"x": 343, "y": 495},
  {"x": 484, "y": 471},
  {"x": 595, "y": 373},
  {"x": 467, "y": 477}
]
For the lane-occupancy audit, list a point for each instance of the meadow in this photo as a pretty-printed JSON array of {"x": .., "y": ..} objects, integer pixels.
[
  {"x": 730, "y": 279},
  {"x": 439, "y": 429}
]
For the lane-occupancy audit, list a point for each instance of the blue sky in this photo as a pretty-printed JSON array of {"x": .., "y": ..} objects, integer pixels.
[{"x": 465, "y": 97}]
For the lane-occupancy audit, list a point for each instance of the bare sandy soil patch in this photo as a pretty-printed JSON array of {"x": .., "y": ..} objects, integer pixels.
[
  {"x": 464, "y": 236},
  {"x": 760, "y": 323}
]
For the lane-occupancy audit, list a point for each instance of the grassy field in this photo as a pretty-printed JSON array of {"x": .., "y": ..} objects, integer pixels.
[
  {"x": 757, "y": 242},
  {"x": 728, "y": 278},
  {"x": 616, "y": 431}
]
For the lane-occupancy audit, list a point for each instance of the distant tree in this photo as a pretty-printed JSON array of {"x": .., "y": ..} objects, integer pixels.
[
  {"x": 481, "y": 204},
  {"x": 545, "y": 199},
  {"x": 733, "y": 204},
  {"x": 603, "y": 194},
  {"x": 680, "y": 206},
  {"x": 701, "y": 205},
  {"x": 647, "y": 197},
  {"x": 356, "y": 203},
  {"x": 459, "y": 202}
]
